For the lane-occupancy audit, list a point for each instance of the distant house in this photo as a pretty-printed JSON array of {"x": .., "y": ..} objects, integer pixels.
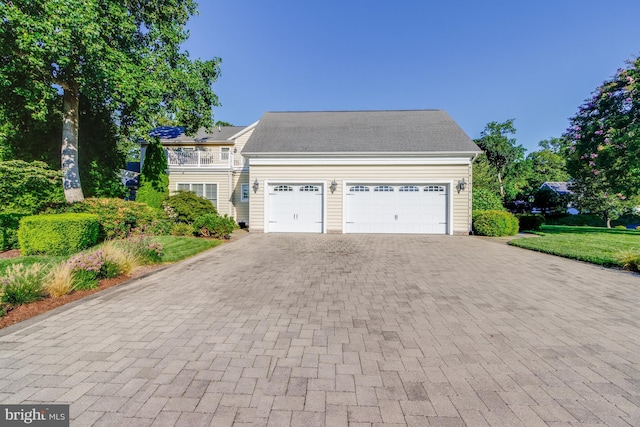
[
  {"x": 560, "y": 188},
  {"x": 563, "y": 190},
  {"x": 332, "y": 171}
]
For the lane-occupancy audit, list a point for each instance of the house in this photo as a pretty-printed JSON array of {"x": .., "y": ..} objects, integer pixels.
[
  {"x": 564, "y": 193},
  {"x": 333, "y": 172},
  {"x": 560, "y": 188},
  {"x": 210, "y": 165}
]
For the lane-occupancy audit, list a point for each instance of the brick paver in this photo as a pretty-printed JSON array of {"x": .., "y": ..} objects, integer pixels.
[{"x": 278, "y": 330}]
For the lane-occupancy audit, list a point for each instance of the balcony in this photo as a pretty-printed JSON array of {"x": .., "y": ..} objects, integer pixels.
[{"x": 210, "y": 159}]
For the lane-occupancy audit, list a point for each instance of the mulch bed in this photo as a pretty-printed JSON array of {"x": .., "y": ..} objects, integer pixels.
[{"x": 27, "y": 311}]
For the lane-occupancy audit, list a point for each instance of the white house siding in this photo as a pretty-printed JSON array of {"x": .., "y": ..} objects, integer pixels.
[
  {"x": 442, "y": 174},
  {"x": 242, "y": 140},
  {"x": 222, "y": 178},
  {"x": 241, "y": 211}
]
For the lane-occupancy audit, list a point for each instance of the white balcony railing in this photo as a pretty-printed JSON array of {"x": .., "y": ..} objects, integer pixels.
[{"x": 202, "y": 158}]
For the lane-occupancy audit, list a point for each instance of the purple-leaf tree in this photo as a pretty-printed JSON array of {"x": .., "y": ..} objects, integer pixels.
[{"x": 603, "y": 152}]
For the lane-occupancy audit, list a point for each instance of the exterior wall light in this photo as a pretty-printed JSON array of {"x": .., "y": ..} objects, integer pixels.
[
  {"x": 461, "y": 185},
  {"x": 333, "y": 186},
  {"x": 256, "y": 185}
]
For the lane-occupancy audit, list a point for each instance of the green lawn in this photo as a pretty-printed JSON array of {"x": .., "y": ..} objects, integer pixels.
[
  {"x": 592, "y": 244},
  {"x": 175, "y": 248}
]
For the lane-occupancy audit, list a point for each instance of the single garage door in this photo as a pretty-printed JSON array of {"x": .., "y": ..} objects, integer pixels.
[
  {"x": 295, "y": 208},
  {"x": 386, "y": 208}
]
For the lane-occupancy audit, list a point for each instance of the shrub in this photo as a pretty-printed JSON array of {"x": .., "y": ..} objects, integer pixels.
[
  {"x": 57, "y": 234},
  {"x": 115, "y": 254},
  {"x": 9, "y": 223},
  {"x": 145, "y": 249},
  {"x": 630, "y": 260},
  {"x": 494, "y": 223},
  {"x": 22, "y": 285},
  {"x": 182, "y": 229},
  {"x": 215, "y": 225},
  {"x": 486, "y": 200},
  {"x": 186, "y": 207},
  {"x": 530, "y": 221},
  {"x": 626, "y": 219},
  {"x": 620, "y": 227},
  {"x": 28, "y": 187},
  {"x": 575, "y": 220},
  {"x": 60, "y": 281},
  {"x": 85, "y": 279},
  {"x": 154, "y": 182},
  {"x": 119, "y": 218},
  {"x": 87, "y": 268}
]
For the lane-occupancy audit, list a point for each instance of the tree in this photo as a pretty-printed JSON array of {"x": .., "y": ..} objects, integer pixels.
[
  {"x": 501, "y": 150},
  {"x": 548, "y": 164},
  {"x": 603, "y": 152},
  {"x": 154, "y": 181},
  {"x": 122, "y": 56}
]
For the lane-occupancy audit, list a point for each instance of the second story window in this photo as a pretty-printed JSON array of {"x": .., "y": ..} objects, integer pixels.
[{"x": 224, "y": 153}]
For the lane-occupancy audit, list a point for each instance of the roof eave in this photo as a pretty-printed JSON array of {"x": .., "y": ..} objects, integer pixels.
[{"x": 363, "y": 154}]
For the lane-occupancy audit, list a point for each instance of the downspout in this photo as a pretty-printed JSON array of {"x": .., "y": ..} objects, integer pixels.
[
  {"x": 230, "y": 198},
  {"x": 475, "y": 156}
]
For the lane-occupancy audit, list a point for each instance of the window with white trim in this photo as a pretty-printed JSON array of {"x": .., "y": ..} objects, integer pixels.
[
  {"x": 206, "y": 190},
  {"x": 383, "y": 188},
  {"x": 435, "y": 188},
  {"x": 283, "y": 188},
  {"x": 405, "y": 188},
  {"x": 359, "y": 188},
  {"x": 311, "y": 188},
  {"x": 244, "y": 192}
]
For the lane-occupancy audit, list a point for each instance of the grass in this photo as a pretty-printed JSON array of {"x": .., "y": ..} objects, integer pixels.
[
  {"x": 176, "y": 248},
  {"x": 30, "y": 260},
  {"x": 597, "y": 245}
]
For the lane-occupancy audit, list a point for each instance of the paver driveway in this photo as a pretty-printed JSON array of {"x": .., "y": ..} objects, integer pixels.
[{"x": 333, "y": 330}]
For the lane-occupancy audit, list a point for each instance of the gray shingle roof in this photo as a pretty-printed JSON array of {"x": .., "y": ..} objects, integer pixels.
[
  {"x": 560, "y": 188},
  {"x": 175, "y": 135},
  {"x": 415, "y": 131}
]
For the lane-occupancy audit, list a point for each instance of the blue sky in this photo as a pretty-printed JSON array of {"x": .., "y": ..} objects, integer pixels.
[{"x": 480, "y": 61}]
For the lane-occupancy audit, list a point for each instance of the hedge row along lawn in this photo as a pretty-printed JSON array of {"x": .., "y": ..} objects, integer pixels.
[{"x": 597, "y": 245}]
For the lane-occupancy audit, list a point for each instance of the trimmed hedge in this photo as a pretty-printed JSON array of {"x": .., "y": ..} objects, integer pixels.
[
  {"x": 9, "y": 223},
  {"x": 530, "y": 221},
  {"x": 494, "y": 223},
  {"x": 57, "y": 234},
  {"x": 118, "y": 218}
]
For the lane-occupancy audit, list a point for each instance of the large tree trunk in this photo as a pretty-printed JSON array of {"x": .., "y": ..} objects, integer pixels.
[
  {"x": 501, "y": 186},
  {"x": 69, "y": 152}
]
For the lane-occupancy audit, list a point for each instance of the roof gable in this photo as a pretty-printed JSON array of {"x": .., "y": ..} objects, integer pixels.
[
  {"x": 560, "y": 188},
  {"x": 410, "y": 131}
]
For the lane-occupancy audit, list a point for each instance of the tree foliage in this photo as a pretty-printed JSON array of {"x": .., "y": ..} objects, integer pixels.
[
  {"x": 154, "y": 181},
  {"x": 548, "y": 164},
  {"x": 28, "y": 187},
  {"x": 122, "y": 56},
  {"x": 603, "y": 153},
  {"x": 500, "y": 149}
]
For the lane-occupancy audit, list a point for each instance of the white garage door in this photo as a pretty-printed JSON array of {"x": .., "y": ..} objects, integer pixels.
[
  {"x": 295, "y": 208},
  {"x": 385, "y": 208}
]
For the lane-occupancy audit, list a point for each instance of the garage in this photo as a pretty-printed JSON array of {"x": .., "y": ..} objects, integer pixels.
[
  {"x": 295, "y": 208},
  {"x": 396, "y": 208}
]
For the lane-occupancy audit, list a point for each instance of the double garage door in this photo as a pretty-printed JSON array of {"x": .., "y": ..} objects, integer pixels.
[
  {"x": 409, "y": 208},
  {"x": 369, "y": 208}
]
